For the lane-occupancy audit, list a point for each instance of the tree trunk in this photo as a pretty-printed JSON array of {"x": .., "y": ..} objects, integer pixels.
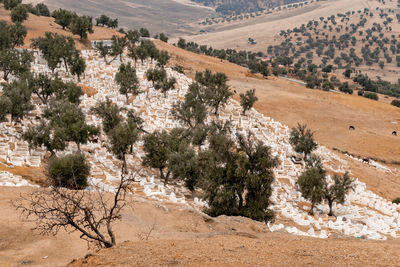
[
  {"x": 124, "y": 165},
  {"x": 240, "y": 201},
  {"x": 312, "y": 209},
  {"x": 5, "y": 76},
  {"x": 167, "y": 177},
  {"x": 330, "y": 203},
  {"x": 162, "y": 175},
  {"x": 79, "y": 146},
  {"x": 216, "y": 109},
  {"x": 66, "y": 66}
]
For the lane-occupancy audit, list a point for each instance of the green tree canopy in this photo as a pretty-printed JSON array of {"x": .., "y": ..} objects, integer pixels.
[
  {"x": 158, "y": 147},
  {"x": 63, "y": 17},
  {"x": 11, "y": 36},
  {"x": 70, "y": 171},
  {"x": 17, "y": 95},
  {"x": 248, "y": 99},
  {"x": 337, "y": 191},
  {"x": 19, "y": 14},
  {"x": 56, "y": 49},
  {"x": 10, "y": 4},
  {"x": 70, "y": 119},
  {"x": 109, "y": 113},
  {"x": 14, "y": 62},
  {"x": 216, "y": 92},
  {"x": 312, "y": 182},
  {"x": 81, "y": 26},
  {"x": 302, "y": 139},
  {"x": 127, "y": 80},
  {"x": 237, "y": 179}
]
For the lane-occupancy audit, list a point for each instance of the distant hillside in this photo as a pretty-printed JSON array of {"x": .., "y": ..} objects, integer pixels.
[
  {"x": 37, "y": 26},
  {"x": 172, "y": 17},
  {"x": 228, "y": 7}
]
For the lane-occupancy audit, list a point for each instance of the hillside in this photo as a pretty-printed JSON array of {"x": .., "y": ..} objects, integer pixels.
[
  {"x": 164, "y": 221},
  {"x": 181, "y": 237},
  {"x": 365, "y": 40},
  {"x": 37, "y": 26},
  {"x": 228, "y": 7},
  {"x": 174, "y": 17},
  {"x": 265, "y": 29}
]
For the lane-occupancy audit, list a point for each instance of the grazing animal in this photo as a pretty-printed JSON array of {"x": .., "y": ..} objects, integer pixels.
[
  {"x": 352, "y": 128},
  {"x": 394, "y": 133},
  {"x": 366, "y": 160}
]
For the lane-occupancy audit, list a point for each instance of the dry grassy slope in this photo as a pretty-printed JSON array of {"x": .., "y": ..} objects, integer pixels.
[
  {"x": 37, "y": 26},
  {"x": 266, "y": 29},
  {"x": 390, "y": 71},
  {"x": 328, "y": 114}
]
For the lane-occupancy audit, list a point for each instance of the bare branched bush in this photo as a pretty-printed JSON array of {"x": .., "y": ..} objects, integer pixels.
[
  {"x": 90, "y": 212},
  {"x": 145, "y": 235}
]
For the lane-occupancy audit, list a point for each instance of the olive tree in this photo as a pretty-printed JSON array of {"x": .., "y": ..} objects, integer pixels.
[
  {"x": 127, "y": 80},
  {"x": 248, "y": 99},
  {"x": 312, "y": 182},
  {"x": 337, "y": 191},
  {"x": 302, "y": 139}
]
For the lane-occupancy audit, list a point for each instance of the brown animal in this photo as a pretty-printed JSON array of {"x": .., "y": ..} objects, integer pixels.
[
  {"x": 352, "y": 128},
  {"x": 394, "y": 133}
]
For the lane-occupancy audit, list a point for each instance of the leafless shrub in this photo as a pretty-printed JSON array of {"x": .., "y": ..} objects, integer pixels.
[
  {"x": 90, "y": 212},
  {"x": 145, "y": 235}
]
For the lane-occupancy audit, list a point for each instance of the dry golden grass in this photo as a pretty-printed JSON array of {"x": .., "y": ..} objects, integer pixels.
[
  {"x": 38, "y": 26},
  {"x": 89, "y": 91}
]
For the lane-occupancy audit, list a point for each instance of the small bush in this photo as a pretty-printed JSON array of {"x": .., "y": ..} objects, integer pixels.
[
  {"x": 372, "y": 96},
  {"x": 396, "y": 103},
  {"x": 396, "y": 201},
  {"x": 345, "y": 88},
  {"x": 69, "y": 171},
  {"x": 360, "y": 93},
  {"x": 179, "y": 69}
]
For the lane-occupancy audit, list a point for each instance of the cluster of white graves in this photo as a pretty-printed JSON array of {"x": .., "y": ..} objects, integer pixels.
[{"x": 363, "y": 215}]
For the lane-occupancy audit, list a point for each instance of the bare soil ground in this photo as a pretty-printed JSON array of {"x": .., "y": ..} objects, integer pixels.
[
  {"x": 181, "y": 236},
  {"x": 274, "y": 249}
]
